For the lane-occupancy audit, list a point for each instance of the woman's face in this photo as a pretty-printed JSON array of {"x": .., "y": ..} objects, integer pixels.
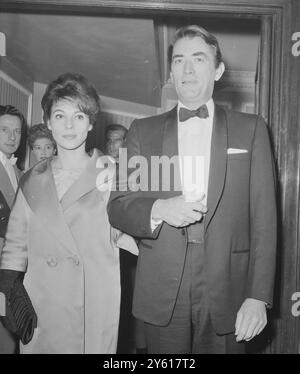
[
  {"x": 69, "y": 125},
  {"x": 43, "y": 148}
]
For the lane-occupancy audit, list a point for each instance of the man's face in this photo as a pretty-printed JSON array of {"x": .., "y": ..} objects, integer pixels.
[
  {"x": 115, "y": 140},
  {"x": 193, "y": 71},
  {"x": 10, "y": 134}
]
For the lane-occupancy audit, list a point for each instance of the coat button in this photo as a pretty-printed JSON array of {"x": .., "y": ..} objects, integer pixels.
[
  {"x": 52, "y": 261},
  {"x": 74, "y": 259},
  {"x": 183, "y": 232}
]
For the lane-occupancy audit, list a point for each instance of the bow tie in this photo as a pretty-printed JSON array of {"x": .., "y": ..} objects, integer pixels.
[
  {"x": 12, "y": 160},
  {"x": 185, "y": 114}
]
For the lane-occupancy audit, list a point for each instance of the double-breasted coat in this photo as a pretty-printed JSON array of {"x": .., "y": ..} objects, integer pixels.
[{"x": 71, "y": 266}]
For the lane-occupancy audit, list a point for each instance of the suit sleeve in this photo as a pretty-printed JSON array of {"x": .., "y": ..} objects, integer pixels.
[
  {"x": 14, "y": 253},
  {"x": 263, "y": 218},
  {"x": 129, "y": 210}
]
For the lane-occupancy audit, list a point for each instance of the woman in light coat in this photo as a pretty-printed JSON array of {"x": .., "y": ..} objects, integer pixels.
[{"x": 59, "y": 234}]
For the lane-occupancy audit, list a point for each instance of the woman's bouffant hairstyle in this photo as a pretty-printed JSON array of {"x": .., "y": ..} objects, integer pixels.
[
  {"x": 75, "y": 87},
  {"x": 37, "y": 132}
]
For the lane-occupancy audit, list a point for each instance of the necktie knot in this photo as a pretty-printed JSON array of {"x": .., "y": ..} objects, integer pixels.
[{"x": 185, "y": 114}]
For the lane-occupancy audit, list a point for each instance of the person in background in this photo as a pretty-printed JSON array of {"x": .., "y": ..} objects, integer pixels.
[
  {"x": 59, "y": 238},
  {"x": 207, "y": 250},
  {"x": 131, "y": 330},
  {"x": 115, "y": 136},
  {"x": 12, "y": 129},
  {"x": 41, "y": 142}
]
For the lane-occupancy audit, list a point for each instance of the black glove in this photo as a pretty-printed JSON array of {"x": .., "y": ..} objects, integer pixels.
[{"x": 20, "y": 317}]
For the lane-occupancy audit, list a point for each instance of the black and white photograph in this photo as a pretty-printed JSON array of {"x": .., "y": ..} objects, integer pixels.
[{"x": 149, "y": 180}]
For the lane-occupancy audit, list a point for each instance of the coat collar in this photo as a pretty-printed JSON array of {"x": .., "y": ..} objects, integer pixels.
[
  {"x": 89, "y": 180},
  {"x": 39, "y": 189}
]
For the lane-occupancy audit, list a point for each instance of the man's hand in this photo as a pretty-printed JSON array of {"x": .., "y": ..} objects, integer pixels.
[
  {"x": 251, "y": 319},
  {"x": 177, "y": 212}
]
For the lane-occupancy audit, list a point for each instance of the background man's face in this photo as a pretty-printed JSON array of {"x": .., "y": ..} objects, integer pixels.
[
  {"x": 193, "y": 71},
  {"x": 115, "y": 140},
  {"x": 10, "y": 134}
]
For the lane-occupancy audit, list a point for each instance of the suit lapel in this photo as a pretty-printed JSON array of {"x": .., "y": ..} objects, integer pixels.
[
  {"x": 218, "y": 163},
  {"x": 39, "y": 189},
  {"x": 6, "y": 186},
  {"x": 170, "y": 149}
]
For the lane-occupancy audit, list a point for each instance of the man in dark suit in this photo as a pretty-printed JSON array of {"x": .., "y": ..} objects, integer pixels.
[
  {"x": 206, "y": 265},
  {"x": 12, "y": 127}
]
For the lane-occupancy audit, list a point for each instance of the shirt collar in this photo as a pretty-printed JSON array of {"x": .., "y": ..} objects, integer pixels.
[
  {"x": 210, "y": 107},
  {"x": 4, "y": 159}
]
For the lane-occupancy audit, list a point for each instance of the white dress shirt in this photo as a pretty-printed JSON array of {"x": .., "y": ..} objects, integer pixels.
[
  {"x": 194, "y": 143},
  {"x": 8, "y": 166},
  {"x": 194, "y": 146}
]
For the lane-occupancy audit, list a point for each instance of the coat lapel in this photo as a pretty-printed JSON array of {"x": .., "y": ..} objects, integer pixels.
[
  {"x": 88, "y": 181},
  {"x": 6, "y": 187},
  {"x": 18, "y": 173},
  {"x": 170, "y": 149},
  {"x": 39, "y": 189},
  {"x": 218, "y": 163}
]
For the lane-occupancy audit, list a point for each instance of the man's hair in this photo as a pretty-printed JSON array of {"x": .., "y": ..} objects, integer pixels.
[
  {"x": 115, "y": 127},
  {"x": 13, "y": 111},
  {"x": 193, "y": 31},
  {"x": 71, "y": 86},
  {"x": 37, "y": 132}
]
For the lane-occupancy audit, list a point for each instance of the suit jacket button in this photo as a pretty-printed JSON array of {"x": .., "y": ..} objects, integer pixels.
[
  {"x": 183, "y": 232},
  {"x": 76, "y": 261},
  {"x": 52, "y": 261}
]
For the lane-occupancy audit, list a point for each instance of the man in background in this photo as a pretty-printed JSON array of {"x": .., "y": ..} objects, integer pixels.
[
  {"x": 131, "y": 331},
  {"x": 115, "y": 136},
  {"x": 12, "y": 127}
]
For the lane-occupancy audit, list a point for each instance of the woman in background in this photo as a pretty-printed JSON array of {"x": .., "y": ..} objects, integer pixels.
[
  {"x": 59, "y": 234},
  {"x": 41, "y": 142}
]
